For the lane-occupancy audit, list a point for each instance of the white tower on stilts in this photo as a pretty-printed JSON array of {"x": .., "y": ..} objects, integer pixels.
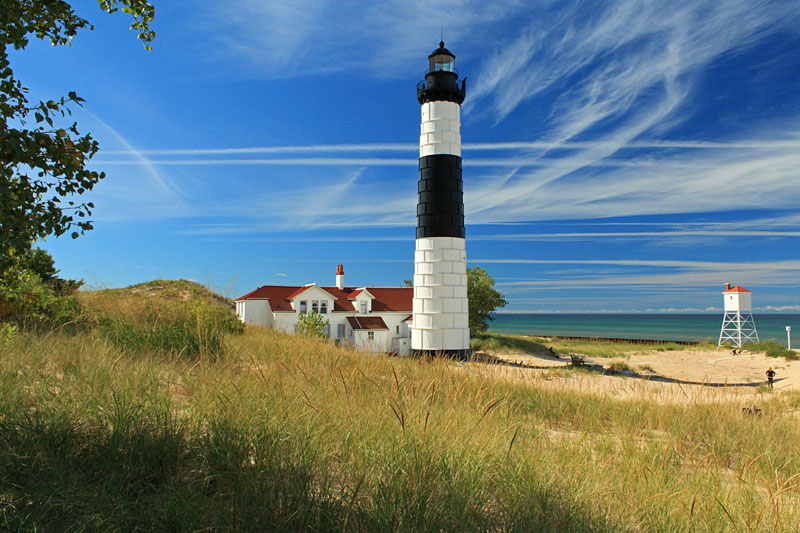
[
  {"x": 738, "y": 326},
  {"x": 440, "y": 323}
]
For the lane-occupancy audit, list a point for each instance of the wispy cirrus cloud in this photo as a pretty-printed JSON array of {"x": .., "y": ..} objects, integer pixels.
[
  {"x": 465, "y": 147},
  {"x": 761, "y": 276},
  {"x": 607, "y": 77},
  {"x": 306, "y": 37},
  {"x": 611, "y": 53}
]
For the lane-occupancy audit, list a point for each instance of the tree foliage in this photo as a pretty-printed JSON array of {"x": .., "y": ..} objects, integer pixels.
[
  {"x": 43, "y": 165},
  {"x": 32, "y": 295},
  {"x": 484, "y": 299},
  {"x": 312, "y": 324}
]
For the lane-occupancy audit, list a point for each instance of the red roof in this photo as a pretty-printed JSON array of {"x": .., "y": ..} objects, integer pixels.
[
  {"x": 277, "y": 295},
  {"x": 392, "y": 298},
  {"x": 366, "y": 322},
  {"x": 386, "y": 298},
  {"x": 737, "y": 289}
]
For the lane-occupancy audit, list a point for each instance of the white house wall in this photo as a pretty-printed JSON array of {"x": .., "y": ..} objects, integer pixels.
[
  {"x": 256, "y": 312},
  {"x": 382, "y": 342}
]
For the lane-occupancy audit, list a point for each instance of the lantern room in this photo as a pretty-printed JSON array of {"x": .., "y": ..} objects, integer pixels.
[
  {"x": 441, "y": 79},
  {"x": 441, "y": 60}
]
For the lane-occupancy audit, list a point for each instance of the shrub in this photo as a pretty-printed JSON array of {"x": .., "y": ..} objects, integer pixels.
[
  {"x": 28, "y": 302},
  {"x": 772, "y": 349},
  {"x": 312, "y": 324}
]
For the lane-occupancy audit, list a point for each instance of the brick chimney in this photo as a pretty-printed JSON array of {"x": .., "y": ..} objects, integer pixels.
[
  {"x": 340, "y": 277},
  {"x": 727, "y": 285}
]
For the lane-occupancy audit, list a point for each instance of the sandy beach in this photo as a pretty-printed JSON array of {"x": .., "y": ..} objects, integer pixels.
[{"x": 677, "y": 376}]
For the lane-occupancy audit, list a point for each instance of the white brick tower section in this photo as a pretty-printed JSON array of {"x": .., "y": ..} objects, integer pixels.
[{"x": 440, "y": 323}]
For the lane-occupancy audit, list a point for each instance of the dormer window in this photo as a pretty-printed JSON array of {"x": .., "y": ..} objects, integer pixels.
[
  {"x": 303, "y": 308},
  {"x": 363, "y": 308}
]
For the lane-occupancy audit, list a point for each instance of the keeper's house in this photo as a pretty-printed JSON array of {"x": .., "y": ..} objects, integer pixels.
[{"x": 374, "y": 319}]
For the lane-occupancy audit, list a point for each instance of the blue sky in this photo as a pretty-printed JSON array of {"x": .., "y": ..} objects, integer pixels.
[{"x": 618, "y": 156}]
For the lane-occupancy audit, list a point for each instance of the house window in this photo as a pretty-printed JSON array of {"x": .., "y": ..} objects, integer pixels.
[
  {"x": 363, "y": 306},
  {"x": 315, "y": 306},
  {"x": 303, "y": 306},
  {"x": 370, "y": 335},
  {"x": 323, "y": 308},
  {"x": 340, "y": 331}
]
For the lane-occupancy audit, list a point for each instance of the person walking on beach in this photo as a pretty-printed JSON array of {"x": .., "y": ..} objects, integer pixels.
[{"x": 770, "y": 376}]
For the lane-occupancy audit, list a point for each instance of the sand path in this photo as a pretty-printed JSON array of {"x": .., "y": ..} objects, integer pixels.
[{"x": 690, "y": 368}]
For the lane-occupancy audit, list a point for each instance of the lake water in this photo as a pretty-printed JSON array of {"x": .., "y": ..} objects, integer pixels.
[{"x": 678, "y": 327}]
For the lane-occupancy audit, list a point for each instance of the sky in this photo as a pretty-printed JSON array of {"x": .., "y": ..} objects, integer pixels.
[{"x": 629, "y": 156}]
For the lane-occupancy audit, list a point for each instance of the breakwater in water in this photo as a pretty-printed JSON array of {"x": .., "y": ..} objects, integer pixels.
[{"x": 628, "y": 341}]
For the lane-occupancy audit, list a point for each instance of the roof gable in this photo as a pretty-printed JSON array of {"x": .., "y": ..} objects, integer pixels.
[{"x": 311, "y": 291}]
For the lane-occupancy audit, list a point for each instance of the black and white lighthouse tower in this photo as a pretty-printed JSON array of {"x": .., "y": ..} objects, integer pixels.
[{"x": 440, "y": 323}]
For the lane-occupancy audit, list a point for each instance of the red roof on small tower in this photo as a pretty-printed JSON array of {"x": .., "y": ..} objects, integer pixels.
[{"x": 736, "y": 289}]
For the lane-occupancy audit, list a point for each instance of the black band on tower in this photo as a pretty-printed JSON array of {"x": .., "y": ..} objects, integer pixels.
[
  {"x": 441, "y": 86},
  {"x": 440, "y": 206}
]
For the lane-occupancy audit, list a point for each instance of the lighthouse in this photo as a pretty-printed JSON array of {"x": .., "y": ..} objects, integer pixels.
[
  {"x": 440, "y": 317},
  {"x": 738, "y": 326}
]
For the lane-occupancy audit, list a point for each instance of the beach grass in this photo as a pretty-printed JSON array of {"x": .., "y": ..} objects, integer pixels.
[
  {"x": 608, "y": 349},
  {"x": 175, "y": 316},
  {"x": 290, "y": 433},
  {"x": 495, "y": 342},
  {"x": 491, "y": 342},
  {"x": 771, "y": 349}
]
